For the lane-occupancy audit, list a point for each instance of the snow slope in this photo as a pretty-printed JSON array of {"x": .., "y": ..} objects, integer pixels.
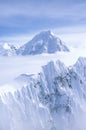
[{"x": 53, "y": 99}]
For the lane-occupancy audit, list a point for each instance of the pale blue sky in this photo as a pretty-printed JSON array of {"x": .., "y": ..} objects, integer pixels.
[{"x": 24, "y": 17}]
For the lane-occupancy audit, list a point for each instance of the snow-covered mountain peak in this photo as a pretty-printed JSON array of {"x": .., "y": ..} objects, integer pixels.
[
  {"x": 44, "y": 42},
  {"x": 45, "y": 34}
]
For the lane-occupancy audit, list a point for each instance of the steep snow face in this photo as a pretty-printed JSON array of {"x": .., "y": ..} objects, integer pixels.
[
  {"x": 45, "y": 42},
  {"x": 7, "y": 50},
  {"x": 53, "y": 99}
]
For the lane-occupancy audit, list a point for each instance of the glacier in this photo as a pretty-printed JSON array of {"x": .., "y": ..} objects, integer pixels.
[{"x": 52, "y": 99}]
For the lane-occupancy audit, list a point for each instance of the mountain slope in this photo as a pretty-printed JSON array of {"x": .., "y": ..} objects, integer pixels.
[{"x": 44, "y": 42}]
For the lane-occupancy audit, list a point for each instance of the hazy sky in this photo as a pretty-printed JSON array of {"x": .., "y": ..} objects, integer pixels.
[{"x": 23, "y": 17}]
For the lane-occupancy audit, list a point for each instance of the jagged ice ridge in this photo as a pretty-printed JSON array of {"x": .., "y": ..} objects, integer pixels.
[{"x": 53, "y": 99}]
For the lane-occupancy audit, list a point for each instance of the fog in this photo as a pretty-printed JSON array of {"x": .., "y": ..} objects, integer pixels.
[{"x": 11, "y": 67}]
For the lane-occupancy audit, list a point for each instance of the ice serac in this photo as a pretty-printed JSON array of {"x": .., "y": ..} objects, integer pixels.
[
  {"x": 54, "y": 99},
  {"x": 44, "y": 42}
]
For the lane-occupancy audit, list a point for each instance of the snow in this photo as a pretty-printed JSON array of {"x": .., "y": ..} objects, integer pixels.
[
  {"x": 46, "y": 91},
  {"x": 44, "y": 100},
  {"x": 6, "y": 46},
  {"x": 5, "y": 89},
  {"x": 44, "y": 42},
  {"x": 7, "y": 50}
]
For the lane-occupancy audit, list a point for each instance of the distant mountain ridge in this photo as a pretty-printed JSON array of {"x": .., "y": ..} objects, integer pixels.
[
  {"x": 7, "y": 50},
  {"x": 44, "y": 42}
]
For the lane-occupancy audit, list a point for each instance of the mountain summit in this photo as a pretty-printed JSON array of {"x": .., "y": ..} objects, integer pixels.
[{"x": 44, "y": 42}]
